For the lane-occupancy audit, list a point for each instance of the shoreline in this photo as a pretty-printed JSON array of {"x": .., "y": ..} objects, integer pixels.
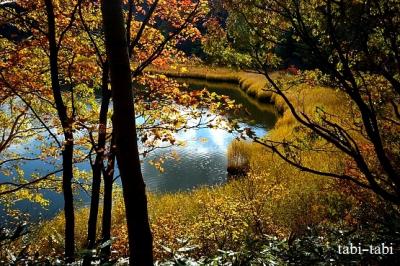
[{"x": 252, "y": 84}]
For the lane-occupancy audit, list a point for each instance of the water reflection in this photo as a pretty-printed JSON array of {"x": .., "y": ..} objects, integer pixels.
[
  {"x": 203, "y": 160},
  {"x": 259, "y": 115}
]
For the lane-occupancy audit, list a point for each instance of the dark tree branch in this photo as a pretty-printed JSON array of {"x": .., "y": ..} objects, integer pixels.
[{"x": 26, "y": 185}]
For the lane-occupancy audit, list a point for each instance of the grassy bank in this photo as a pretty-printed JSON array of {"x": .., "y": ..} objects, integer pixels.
[{"x": 252, "y": 83}]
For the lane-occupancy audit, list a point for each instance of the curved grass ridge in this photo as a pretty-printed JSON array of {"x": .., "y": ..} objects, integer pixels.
[{"x": 253, "y": 84}]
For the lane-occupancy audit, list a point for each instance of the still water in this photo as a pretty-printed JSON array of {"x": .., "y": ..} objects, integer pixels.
[{"x": 202, "y": 161}]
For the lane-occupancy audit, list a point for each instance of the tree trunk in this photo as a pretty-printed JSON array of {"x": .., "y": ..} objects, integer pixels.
[
  {"x": 98, "y": 165},
  {"x": 68, "y": 201},
  {"x": 108, "y": 177},
  {"x": 139, "y": 234},
  {"x": 68, "y": 149}
]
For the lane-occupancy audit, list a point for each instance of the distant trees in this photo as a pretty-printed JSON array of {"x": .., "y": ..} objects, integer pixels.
[
  {"x": 356, "y": 44},
  {"x": 228, "y": 46}
]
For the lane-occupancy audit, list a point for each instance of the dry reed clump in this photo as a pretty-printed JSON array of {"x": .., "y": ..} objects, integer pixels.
[{"x": 238, "y": 157}]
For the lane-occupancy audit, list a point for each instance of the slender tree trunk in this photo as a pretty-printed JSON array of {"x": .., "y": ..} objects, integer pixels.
[
  {"x": 68, "y": 200},
  {"x": 98, "y": 165},
  {"x": 108, "y": 177},
  {"x": 139, "y": 234},
  {"x": 68, "y": 149}
]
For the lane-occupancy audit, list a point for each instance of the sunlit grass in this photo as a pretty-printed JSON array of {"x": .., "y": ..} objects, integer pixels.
[{"x": 252, "y": 83}]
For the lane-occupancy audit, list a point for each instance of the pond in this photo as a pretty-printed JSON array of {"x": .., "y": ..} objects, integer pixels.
[{"x": 202, "y": 161}]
